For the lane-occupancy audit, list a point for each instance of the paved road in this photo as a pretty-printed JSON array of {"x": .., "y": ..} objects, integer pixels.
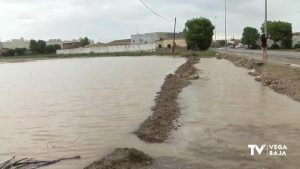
[{"x": 286, "y": 57}]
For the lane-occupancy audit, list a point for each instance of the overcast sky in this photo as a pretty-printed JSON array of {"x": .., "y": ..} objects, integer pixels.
[{"x": 107, "y": 20}]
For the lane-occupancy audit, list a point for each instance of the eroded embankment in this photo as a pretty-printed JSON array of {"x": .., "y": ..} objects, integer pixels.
[
  {"x": 123, "y": 158},
  {"x": 166, "y": 109},
  {"x": 283, "y": 79}
]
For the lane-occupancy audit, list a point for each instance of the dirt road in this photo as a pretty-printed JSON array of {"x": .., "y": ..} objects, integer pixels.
[{"x": 285, "y": 57}]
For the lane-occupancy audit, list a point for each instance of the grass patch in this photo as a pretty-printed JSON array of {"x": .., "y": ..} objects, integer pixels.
[
  {"x": 206, "y": 54},
  {"x": 201, "y": 54}
]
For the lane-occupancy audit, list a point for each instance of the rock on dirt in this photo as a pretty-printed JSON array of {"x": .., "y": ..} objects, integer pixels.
[
  {"x": 166, "y": 109},
  {"x": 123, "y": 158}
]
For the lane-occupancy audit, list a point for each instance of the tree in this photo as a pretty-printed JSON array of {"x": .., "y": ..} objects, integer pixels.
[
  {"x": 280, "y": 31},
  {"x": 84, "y": 41},
  {"x": 199, "y": 33},
  {"x": 10, "y": 52},
  {"x": 20, "y": 51},
  {"x": 57, "y": 47},
  {"x": 50, "y": 49},
  {"x": 221, "y": 43},
  {"x": 41, "y": 46},
  {"x": 33, "y": 45},
  {"x": 250, "y": 37},
  {"x": 37, "y": 47}
]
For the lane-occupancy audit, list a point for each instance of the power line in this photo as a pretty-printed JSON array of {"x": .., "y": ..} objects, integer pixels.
[{"x": 147, "y": 6}]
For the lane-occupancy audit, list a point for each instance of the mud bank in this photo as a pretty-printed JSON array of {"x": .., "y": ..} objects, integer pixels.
[
  {"x": 283, "y": 79},
  {"x": 123, "y": 158},
  {"x": 166, "y": 109}
]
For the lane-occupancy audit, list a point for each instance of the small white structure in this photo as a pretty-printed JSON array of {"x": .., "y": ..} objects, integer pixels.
[
  {"x": 109, "y": 49},
  {"x": 296, "y": 38}
]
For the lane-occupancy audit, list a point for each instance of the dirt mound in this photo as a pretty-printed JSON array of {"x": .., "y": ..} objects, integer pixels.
[
  {"x": 166, "y": 110},
  {"x": 243, "y": 61},
  {"x": 123, "y": 158},
  {"x": 281, "y": 78}
]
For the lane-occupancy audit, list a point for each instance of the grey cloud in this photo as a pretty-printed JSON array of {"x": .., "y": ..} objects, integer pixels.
[{"x": 114, "y": 19}]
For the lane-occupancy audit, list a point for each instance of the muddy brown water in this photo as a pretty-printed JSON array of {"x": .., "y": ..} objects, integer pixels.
[
  {"x": 88, "y": 107},
  {"x": 66, "y": 107},
  {"x": 226, "y": 110}
]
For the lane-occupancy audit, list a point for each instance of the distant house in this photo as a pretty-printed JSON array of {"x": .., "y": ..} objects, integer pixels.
[
  {"x": 234, "y": 42},
  {"x": 15, "y": 43},
  {"x": 150, "y": 38},
  {"x": 112, "y": 43},
  {"x": 3, "y": 51},
  {"x": 120, "y": 42},
  {"x": 168, "y": 43},
  {"x": 70, "y": 44},
  {"x": 55, "y": 42},
  {"x": 296, "y": 38},
  {"x": 66, "y": 44}
]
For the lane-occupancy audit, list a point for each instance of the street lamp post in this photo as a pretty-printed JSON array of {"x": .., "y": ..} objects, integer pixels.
[
  {"x": 266, "y": 18},
  {"x": 226, "y": 24}
]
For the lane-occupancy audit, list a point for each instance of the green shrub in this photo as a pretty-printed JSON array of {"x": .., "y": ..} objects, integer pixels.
[
  {"x": 20, "y": 51},
  {"x": 297, "y": 46},
  {"x": 199, "y": 33}
]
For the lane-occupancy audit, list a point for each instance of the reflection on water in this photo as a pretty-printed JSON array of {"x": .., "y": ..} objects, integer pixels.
[
  {"x": 88, "y": 107},
  {"x": 226, "y": 110},
  {"x": 67, "y": 107}
]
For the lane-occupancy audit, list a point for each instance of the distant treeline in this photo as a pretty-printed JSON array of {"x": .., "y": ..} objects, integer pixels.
[
  {"x": 35, "y": 47},
  {"x": 41, "y": 47}
]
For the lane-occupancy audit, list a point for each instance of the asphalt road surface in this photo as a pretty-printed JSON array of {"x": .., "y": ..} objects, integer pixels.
[{"x": 286, "y": 57}]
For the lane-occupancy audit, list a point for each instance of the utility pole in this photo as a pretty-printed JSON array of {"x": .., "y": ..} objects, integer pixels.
[
  {"x": 215, "y": 29},
  {"x": 266, "y": 18},
  {"x": 137, "y": 42},
  {"x": 226, "y": 24},
  {"x": 174, "y": 40}
]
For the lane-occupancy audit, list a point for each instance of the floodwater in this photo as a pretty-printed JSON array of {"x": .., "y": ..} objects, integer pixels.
[
  {"x": 226, "y": 110},
  {"x": 88, "y": 107},
  {"x": 67, "y": 107}
]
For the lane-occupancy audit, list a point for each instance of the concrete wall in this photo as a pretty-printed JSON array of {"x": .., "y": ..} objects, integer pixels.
[{"x": 109, "y": 49}]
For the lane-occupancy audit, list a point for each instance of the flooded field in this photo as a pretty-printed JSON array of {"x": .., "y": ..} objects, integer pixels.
[
  {"x": 88, "y": 107},
  {"x": 67, "y": 107}
]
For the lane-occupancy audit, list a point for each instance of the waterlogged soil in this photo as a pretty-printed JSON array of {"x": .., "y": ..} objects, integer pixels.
[
  {"x": 221, "y": 114},
  {"x": 283, "y": 79},
  {"x": 123, "y": 158},
  {"x": 226, "y": 110},
  {"x": 131, "y": 158},
  {"x": 158, "y": 127}
]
